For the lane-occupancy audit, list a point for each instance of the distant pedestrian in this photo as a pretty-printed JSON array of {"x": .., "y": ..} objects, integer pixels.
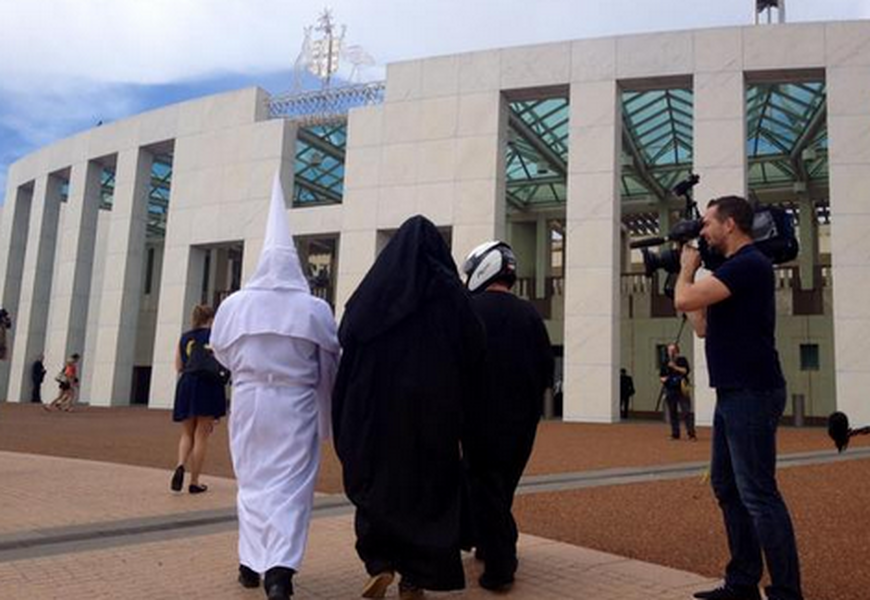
[
  {"x": 675, "y": 379},
  {"x": 37, "y": 376},
  {"x": 200, "y": 398},
  {"x": 68, "y": 384},
  {"x": 5, "y": 323},
  {"x": 626, "y": 391}
]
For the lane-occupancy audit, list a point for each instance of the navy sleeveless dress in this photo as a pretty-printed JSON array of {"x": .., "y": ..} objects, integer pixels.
[{"x": 197, "y": 396}]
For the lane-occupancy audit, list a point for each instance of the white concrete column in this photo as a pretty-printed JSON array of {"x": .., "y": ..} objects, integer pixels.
[
  {"x": 719, "y": 154},
  {"x": 36, "y": 283},
  {"x": 542, "y": 257},
  {"x": 180, "y": 289},
  {"x": 849, "y": 160},
  {"x": 122, "y": 281},
  {"x": 357, "y": 243},
  {"x": 13, "y": 242},
  {"x": 479, "y": 210},
  {"x": 592, "y": 301},
  {"x": 213, "y": 263},
  {"x": 809, "y": 243},
  {"x": 68, "y": 312}
]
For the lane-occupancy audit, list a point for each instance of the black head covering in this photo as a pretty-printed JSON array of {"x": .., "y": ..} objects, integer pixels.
[{"x": 414, "y": 266}]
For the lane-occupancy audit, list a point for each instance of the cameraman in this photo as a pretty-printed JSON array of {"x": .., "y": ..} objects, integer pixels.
[
  {"x": 673, "y": 375},
  {"x": 734, "y": 309}
]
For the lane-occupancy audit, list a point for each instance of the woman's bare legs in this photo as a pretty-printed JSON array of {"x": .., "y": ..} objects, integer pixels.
[
  {"x": 185, "y": 444},
  {"x": 204, "y": 427},
  {"x": 69, "y": 400},
  {"x": 57, "y": 401}
]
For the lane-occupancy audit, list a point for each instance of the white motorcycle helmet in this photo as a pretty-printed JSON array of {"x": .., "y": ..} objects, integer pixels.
[{"x": 489, "y": 262}]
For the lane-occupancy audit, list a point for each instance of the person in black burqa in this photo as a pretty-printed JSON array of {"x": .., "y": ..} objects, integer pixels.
[
  {"x": 503, "y": 420},
  {"x": 412, "y": 349}
]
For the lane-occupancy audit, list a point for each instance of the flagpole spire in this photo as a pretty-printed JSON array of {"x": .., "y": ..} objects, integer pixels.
[{"x": 767, "y": 7}]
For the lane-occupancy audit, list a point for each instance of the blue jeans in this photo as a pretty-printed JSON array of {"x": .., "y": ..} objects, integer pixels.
[{"x": 743, "y": 474}]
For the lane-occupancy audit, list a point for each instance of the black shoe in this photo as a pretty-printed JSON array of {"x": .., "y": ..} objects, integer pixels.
[
  {"x": 278, "y": 583},
  {"x": 197, "y": 489},
  {"x": 177, "y": 480},
  {"x": 495, "y": 583},
  {"x": 408, "y": 590},
  {"x": 730, "y": 592},
  {"x": 248, "y": 577}
]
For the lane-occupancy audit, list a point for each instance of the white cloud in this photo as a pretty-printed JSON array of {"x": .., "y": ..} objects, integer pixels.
[
  {"x": 158, "y": 41},
  {"x": 61, "y": 61}
]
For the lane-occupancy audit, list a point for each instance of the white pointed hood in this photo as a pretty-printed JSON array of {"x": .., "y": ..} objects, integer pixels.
[
  {"x": 277, "y": 299},
  {"x": 279, "y": 267}
]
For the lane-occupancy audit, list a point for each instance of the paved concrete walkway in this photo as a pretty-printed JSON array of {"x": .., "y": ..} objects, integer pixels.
[{"x": 79, "y": 529}]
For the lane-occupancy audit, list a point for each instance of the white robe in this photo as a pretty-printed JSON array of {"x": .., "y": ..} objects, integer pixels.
[
  {"x": 280, "y": 345},
  {"x": 275, "y": 443}
]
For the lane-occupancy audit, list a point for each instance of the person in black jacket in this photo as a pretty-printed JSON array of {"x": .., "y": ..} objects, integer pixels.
[
  {"x": 626, "y": 391},
  {"x": 502, "y": 422},
  {"x": 412, "y": 348},
  {"x": 37, "y": 376},
  {"x": 5, "y": 323}
]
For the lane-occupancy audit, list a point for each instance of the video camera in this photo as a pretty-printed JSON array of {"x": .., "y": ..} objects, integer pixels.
[{"x": 773, "y": 233}]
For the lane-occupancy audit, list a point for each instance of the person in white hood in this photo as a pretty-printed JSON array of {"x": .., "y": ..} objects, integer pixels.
[{"x": 280, "y": 344}]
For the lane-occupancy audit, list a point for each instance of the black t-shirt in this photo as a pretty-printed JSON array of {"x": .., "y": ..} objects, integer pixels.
[
  {"x": 675, "y": 378},
  {"x": 741, "y": 347}
]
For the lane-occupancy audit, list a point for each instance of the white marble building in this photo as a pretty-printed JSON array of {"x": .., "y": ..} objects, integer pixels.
[{"x": 117, "y": 285}]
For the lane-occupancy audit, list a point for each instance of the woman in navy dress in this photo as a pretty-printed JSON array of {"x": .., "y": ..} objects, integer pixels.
[{"x": 200, "y": 400}]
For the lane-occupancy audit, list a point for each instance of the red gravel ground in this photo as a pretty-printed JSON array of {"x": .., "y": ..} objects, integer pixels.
[
  {"x": 674, "y": 523},
  {"x": 678, "y": 524}
]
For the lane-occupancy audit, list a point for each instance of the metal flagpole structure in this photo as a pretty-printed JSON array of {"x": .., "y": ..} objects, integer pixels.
[{"x": 767, "y": 6}]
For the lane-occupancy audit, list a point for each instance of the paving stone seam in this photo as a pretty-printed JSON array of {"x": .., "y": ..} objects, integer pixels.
[{"x": 193, "y": 523}]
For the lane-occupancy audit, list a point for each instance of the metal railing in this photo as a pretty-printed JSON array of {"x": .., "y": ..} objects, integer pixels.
[{"x": 323, "y": 106}]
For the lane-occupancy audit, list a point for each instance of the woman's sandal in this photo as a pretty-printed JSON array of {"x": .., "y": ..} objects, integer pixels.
[{"x": 197, "y": 489}]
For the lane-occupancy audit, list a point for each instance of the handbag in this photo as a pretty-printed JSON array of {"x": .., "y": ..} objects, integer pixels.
[
  {"x": 61, "y": 377},
  {"x": 685, "y": 387},
  {"x": 202, "y": 363}
]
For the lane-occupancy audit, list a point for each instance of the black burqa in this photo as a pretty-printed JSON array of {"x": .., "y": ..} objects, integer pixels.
[
  {"x": 502, "y": 421},
  {"x": 411, "y": 347}
]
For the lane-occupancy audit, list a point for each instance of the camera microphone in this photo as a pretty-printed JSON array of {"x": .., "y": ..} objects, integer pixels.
[
  {"x": 840, "y": 432},
  {"x": 647, "y": 242}
]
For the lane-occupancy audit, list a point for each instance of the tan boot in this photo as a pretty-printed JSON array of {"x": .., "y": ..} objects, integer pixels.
[{"x": 377, "y": 585}]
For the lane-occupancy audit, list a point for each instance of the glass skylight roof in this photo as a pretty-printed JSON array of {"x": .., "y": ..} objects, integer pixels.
[
  {"x": 158, "y": 193},
  {"x": 537, "y": 152},
  {"x": 158, "y": 196},
  {"x": 657, "y": 141},
  {"x": 320, "y": 151},
  {"x": 787, "y": 139}
]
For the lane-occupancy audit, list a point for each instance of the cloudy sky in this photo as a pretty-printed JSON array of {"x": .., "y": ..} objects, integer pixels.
[{"x": 67, "y": 64}]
